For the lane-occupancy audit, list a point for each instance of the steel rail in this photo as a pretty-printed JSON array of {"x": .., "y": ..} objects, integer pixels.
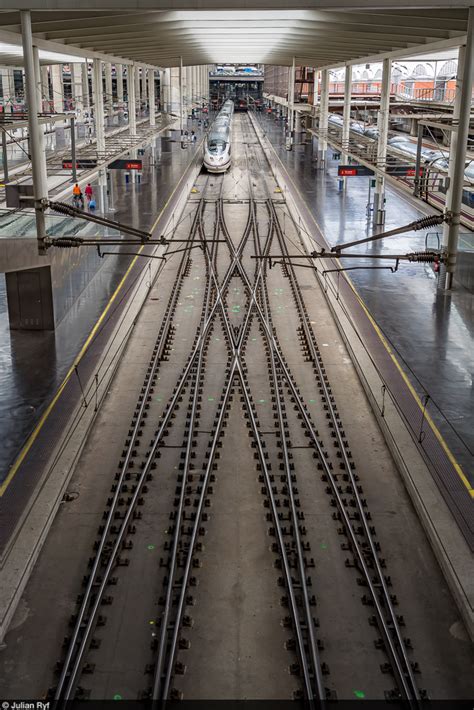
[
  {"x": 90, "y": 623},
  {"x": 313, "y": 648},
  {"x": 286, "y": 567},
  {"x": 161, "y": 686},
  {"x": 67, "y": 673},
  {"x": 410, "y": 693},
  {"x": 401, "y": 655},
  {"x": 164, "y": 619}
]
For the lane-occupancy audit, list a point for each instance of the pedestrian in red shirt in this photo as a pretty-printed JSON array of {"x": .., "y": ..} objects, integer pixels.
[{"x": 88, "y": 193}]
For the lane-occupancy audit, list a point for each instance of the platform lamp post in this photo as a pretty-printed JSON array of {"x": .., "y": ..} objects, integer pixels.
[{"x": 38, "y": 164}]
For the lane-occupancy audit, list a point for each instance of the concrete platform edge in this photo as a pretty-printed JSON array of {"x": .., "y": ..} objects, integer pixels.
[
  {"x": 446, "y": 540},
  {"x": 26, "y": 542}
]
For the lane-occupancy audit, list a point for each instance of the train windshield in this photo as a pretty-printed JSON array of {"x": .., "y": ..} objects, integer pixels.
[{"x": 216, "y": 145}]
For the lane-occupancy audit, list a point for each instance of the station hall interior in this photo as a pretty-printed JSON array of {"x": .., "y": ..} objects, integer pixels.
[{"x": 237, "y": 351}]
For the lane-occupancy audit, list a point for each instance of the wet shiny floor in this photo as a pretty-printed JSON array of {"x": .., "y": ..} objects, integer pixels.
[
  {"x": 430, "y": 331},
  {"x": 33, "y": 363}
]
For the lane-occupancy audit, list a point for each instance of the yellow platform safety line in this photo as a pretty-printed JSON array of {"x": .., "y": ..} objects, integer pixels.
[
  {"x": 34, "y": 434},
  {"x": 431, "y": 423}
]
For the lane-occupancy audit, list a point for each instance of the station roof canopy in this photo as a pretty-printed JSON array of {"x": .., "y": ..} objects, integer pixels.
[{"x": 272, "y": 32}]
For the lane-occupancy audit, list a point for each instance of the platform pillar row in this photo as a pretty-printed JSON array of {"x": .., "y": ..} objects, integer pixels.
[{"x": 382, "y": 126}]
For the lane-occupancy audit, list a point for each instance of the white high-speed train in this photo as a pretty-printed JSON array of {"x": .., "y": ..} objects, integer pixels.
[{"x": 218, "y": 144}]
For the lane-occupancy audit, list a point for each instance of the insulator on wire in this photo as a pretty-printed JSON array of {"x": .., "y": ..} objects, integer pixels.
[
  {"x": 424, "y": 257},
  {"x": 425, "y": 222},
  {"x": 63, "y": 208},
  {"x": 67, "y": 242}
]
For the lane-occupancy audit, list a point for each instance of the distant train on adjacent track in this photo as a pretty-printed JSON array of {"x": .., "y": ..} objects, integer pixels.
[
  {"x": 218, "y": 144},
  {"x": 434, "y": 163}
]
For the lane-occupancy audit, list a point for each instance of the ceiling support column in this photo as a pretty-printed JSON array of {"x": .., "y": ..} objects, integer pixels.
[
  {"x": 382, "y": 126},
  {"x": 45, "y": 86},
  {"x": 37, "y": 156},
  {"x": 291, "y": 106},
  {"x": 120, "y": 103},
  {"x": 181, "y": 99},
  {"x": 77, "y": 88},
  {"x": 99, "y": 119},
  {"x": 85, "y": 85},
  {"x": 458, "y": 150},
  {"x": 323, "y": 119},
  {"x": 346, "y": 118},
  {"x": 58, "y": 89},
  {"x": 151, "y": 96},
  {"x": 108, "y": 98},
  {"x": 132, "y": 72}
]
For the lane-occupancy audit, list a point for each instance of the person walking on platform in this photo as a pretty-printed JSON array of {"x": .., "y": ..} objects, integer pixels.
[
  {"x": 89, "y": 192},
  {"x": 77, "y": 198}
]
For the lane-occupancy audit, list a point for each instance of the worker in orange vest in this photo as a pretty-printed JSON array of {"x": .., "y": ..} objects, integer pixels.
[{"x": 77, "y": 197}]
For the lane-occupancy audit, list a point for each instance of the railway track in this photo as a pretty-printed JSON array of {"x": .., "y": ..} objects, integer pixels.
[{"x": 176, "y": 477}]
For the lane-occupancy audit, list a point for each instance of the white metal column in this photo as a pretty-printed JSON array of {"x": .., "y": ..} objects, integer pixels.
[
  {"x": 143, "y": 88},
  {"x": 323, "y": 118},
  {"x": 181, "y": 98},
  {"x": 38, "y": 163},
  {"x": 132, "y": 98},
  {"x": 58, "y": 89},
  {"x": 76, "y": 87},
  {"x": 98, "y": 104},
  {"x": 291, "y": 105},
  {"x": 119, "y": 77},
  {"x": 136, "y": 80},
  {"x": 45, "y": 85},
  {"x": 151, "y": 95},
  {"x": 108, "y": 92},
  {"x": 346, "y": 118},
  {"x": 382, "y": 126},
  {"x": 452, "y": 148},
  {"x": 456, "y": 170},
  {"x": 85, "y": 85}
]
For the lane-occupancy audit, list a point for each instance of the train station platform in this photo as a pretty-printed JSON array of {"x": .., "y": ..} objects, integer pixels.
[
  {"x": 28, "y": 392},
  {"x": 410, "y": 342},
  {"x": 430, "y": 331}
]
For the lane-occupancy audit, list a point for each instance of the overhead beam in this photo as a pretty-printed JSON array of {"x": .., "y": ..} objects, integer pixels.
[{"x": 47, "y": 45}]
